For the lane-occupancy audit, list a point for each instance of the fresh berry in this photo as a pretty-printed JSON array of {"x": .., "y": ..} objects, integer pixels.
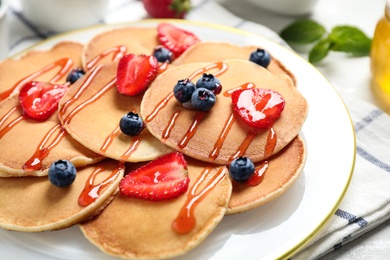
[
  {"x": 257, "y": 107},
  {"x": 175, "y": 39},
  {"x": 183, "y": 90},
  {"x": 210, "y": 82},
  {"x": 162, "y": 54},
  {"x": 74, "y": 75},
  {"x": 131, "y": 124},
  {"x": 260, "y": 57},
  {"x": 39, "y": 100},
  {"x": 203, "y": 99},
  {"x": 167, "y": 8},
  {"x": 135, "y": 73},
  {"x": 241, "y": 169},
  {"x": 62, "y": 173},
  {"x": 161, "y": 179}
]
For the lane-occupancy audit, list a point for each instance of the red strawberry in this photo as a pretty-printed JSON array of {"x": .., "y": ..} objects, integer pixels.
[
  {"x": 167, "y": 8},
  {"x": 135, "y": 73},
  {"x": 39, "y": 100},
  {"x": 161, "y": 179},
  {"x": 175, "y": 39},
  {"x": 257, "y": 107}
]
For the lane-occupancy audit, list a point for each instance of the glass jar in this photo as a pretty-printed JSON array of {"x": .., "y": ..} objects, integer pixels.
[{"x": 380, "y": 59}]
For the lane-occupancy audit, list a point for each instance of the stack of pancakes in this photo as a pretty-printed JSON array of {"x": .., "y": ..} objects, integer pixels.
[{"x": 85, "y": 131}]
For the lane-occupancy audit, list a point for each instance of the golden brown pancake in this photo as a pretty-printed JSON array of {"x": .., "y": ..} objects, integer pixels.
[
  {"x": 91, "y": 110},
  {"x": 32, "y": 204},
  {"x": 48, "y": 66},
  {"x": 219, "y": 135},
  {"x": 113, "y": 44},
  {"x": 280, "y": 172},
  {"x": 135, "y": 228},
  {"x": 216, "y": 51},
  {"x": 28, "y": 147}
]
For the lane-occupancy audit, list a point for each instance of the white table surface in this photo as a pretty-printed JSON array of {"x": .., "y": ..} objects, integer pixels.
[{"x": 349, "y": 75}]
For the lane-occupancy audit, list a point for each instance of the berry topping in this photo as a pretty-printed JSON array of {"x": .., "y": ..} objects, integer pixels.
[
  {"x": 203, "y": 99},
  {"x": 161, "y": 179},
  {"x": 260, "y": 57},
  {"x": 175, "y": 39},
  {"x": 39, "y": 100},
  {"x": 167, "y": 8},
  {"x": 183, "y": 90},
  {"x": 210, "y": 82},
  {"x": 135, "y": 73},
  {"x": 131, "y": 124},
  {"x": 257, "y": 107},
  {"x": 62, "y": 173},
  {"x": 74, "y": 75},
  {"x": 162, "y": 54},
  {"x": 241, "y": 169}
]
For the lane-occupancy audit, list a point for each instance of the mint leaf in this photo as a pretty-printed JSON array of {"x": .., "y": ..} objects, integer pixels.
[
  {"x": 303, "y": 31},
  {"x": 320, "y": 50},
  {"x": 351, "y": 40}
]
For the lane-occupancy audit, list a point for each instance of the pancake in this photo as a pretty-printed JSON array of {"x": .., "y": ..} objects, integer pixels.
[
  {"x": 47, "y": 65},
  {"x": 134, "y": 228},
  {"x": 113, "y": 44},
  {"x": 281, "y": 171},
  {"x": 218, "y": 135},
  {"x": 32, "y": 204},
  {"x": 91, "y": 110},
  {"x": 28, "y": 147},
  {"x": 216, "y": 51}
]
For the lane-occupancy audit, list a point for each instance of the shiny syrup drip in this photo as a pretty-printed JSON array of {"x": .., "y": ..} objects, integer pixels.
[
  {"x": 89, "y": 101},
  {"x": 244, "y": 145},
  {"x": 168, "y": 129},
  {"x": 186, "y": 221},
  {"x": 65, "y": 65},
  {"x": 79, "y": 92},
  {"x": 163, "y": 67},
  {"x": 110, "y": 139},
  {"x": 191, "y": 130},
  {"x": 92, "y": 191},
  {"x": 117, "y": 53},
  {"x": 221, "y": 66},
  {"x": 44, "y": 148},
  {"x": 8, "y": 127},
  {"x": 249, "y": 85},
  {"x": 221, "y": 138},
  {"x": 271, "y": 143},
  {"x": 258, "y": 176},
  {"x": 132, "y": 148}
]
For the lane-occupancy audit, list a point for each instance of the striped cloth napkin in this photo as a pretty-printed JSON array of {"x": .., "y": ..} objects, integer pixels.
[{"x": 366, "y": 204}]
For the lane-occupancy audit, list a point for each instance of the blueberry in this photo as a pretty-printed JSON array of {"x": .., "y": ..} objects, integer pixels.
[
  {"x": 131, "y": 124},
  {"x": 241, "y": 169},
  {"x": 162, "y": 54},
  {"x": 210, "y": 82},
  {"x": 183, "y": 90},
  {"x": 260, "y": 57},
  {"x": 203, "y": 99},
  {"x": 62, "y": 173},
  {"x": 74, "y": 75}
]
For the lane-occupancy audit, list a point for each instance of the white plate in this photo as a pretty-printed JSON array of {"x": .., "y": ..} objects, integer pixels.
[{"x": 275, "y": 230}]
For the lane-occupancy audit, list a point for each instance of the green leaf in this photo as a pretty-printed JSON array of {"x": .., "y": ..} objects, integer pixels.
[
  {"x": 351, "y": 40},
  {"x": 303, "y": 31},
  {"x": 320, "y": 50}
]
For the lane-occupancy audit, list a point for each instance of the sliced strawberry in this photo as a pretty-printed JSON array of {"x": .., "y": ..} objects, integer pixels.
[
  {"x": 39, "y": 100},
  {"x": 135, "y": 73},
  {"x": 161, "y": 179},
  {"x": 175, "y": 39},
  {"x": 257, "y": 107}
]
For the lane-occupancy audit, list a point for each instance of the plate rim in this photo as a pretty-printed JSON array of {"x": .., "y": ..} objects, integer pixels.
[{"x": 325, "y": 219}]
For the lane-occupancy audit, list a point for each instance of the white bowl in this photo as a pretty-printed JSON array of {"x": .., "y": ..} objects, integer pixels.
[
  {"x": 3, "y": 29},
  {"x": 288, "y": 7}
]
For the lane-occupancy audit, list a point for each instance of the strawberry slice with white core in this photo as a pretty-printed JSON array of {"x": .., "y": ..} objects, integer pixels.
[
  {"x": 258, "y": 108},
  {"x": 175, "y": 39},
  {"x": 162, "y": 179},
  {"x": 39, "y": 100},
  {"x": 135, "y": 73}
]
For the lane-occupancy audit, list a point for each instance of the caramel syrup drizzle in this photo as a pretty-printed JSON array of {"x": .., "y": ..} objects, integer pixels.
[
  {"x": 168, "y": 129},
  {"x": 110, "y": 139},
  {"x": 117, "y": 53},
  {"x": 199, "y": 115},
  {"x": 65, "y": 65},
  {"x": 8, "y": 127},
  {"x": 92, "y": 191},
  {"x": 185, "y": 222},
  {"x": 44, "y": 148}
]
